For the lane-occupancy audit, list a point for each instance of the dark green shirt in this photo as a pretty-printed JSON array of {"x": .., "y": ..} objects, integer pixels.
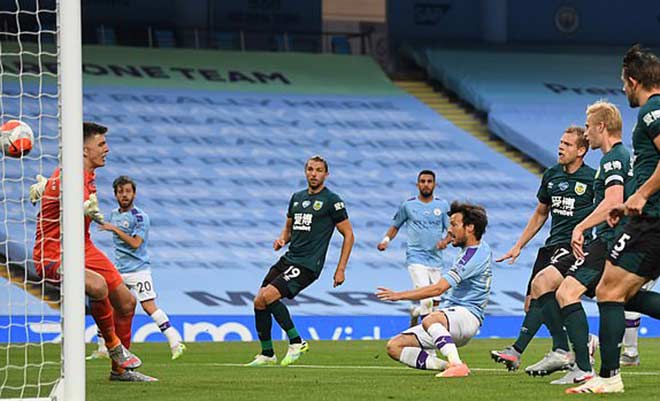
[
  {"x": 614, "y": 169},
  {"x": 571, "y": 199},
  {"x": 314, "y": 219},
  {"x": 646, "y": 155}
]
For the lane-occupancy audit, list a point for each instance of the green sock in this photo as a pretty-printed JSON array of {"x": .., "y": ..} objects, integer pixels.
[
  {"x": 531, "y": 325},
  {"x": 612, "y": 327},
  {"x": 577, "y": 328},
  {"x": 552, "y": 319},
  {"x": 283, "y": 318},
  {"x": 264, "y": 323},
  {"x": 646, "y": 302}
]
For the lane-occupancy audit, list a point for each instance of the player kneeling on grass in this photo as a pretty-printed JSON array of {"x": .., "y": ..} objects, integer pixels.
[
  {"x": 130, "y": 227},
  {"x": 461, "y": 311}
]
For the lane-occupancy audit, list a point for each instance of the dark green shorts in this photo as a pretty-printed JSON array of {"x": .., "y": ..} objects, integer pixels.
[
  {"x": 637, "y": 248},
  {"x": 546, "y": 256},
  {"x": 288, "y": 278},
  {"x": 589, "y": 270}
]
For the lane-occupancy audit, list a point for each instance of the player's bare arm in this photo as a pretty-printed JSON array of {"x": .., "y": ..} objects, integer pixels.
[
  {"x": 346, "y": 230},
  {"x": 285, "y": 236},
  {"x": 636, "y": 202},
  {"x": 429, "y": 291},
  {"x": 133, "y": 241},
  {"x": 389, "y": 236},
  {"x": 613, "y": 197},
  {"x": 534, "y": 224}
]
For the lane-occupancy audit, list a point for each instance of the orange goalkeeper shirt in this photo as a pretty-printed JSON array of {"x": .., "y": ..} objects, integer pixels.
[{"x": 47, "y": 248}]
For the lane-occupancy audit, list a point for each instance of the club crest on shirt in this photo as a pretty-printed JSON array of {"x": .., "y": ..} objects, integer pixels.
[
  {"x": 437, "y": 211},
  {"x": 580, "y": 188},
  {"x": 125, "y": 224},
  {"x": 317, "y": 205},
  {"x": 305, "y": 204}
]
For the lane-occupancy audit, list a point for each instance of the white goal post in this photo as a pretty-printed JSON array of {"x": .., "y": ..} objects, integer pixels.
[{"x": 73, "y": 242}]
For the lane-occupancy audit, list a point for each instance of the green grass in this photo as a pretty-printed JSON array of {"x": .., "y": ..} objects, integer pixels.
[{"x": 337, "y": 371}]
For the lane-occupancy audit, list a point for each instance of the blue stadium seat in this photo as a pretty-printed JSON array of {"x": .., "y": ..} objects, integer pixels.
[
  {"x": 164, "y": 38},
  {"x": 106, "y": 35},
  {"x": 340, "y": 45},
  {"x": 226, "y": 41}
]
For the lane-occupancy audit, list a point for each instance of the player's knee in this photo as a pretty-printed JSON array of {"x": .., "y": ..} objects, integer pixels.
[
  {"x": 260, "y": 302},
  {"x": 127, "y": 306},
  {"x": 540, "y": 284},
  {"x": 394, "y": 348},
  {"x": 96, "y": 289},
  {"x": 432, "y": 318},
  {"x": 603, "y": 292},
  {"x": 564, "y": 296}
]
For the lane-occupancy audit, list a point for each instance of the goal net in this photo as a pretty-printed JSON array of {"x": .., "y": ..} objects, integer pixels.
[{"x": 31, "y": 91}]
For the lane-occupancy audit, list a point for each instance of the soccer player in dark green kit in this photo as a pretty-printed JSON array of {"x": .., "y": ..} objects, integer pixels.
[
  {"x": 583, "y": 269},
  {"x": 635, "y": 257},
  {"x": 311, "y": 219},
  {"x": 566, "y": 194}
]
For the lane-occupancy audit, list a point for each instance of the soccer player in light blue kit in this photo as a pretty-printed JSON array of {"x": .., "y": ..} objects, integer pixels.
[
  {"x": 130, "y": 227},
  {"x": 461, "y": 310},
  {"x": 426, "y": 220}
]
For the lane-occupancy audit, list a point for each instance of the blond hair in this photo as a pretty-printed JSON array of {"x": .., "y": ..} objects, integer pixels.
[{"x": 608, "y": 114}]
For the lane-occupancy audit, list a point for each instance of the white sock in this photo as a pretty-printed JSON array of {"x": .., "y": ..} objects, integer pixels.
[
  {"x": 444, "y": 342},
  {"x": 420, "y": 359},
  {"x": 163, "y": 322},
  {"x": 100, "y": 341},
  {"x": 631, "y": 333},
  {"x": 425, "y": 306}
]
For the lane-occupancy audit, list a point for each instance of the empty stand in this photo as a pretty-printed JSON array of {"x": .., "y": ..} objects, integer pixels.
[{"x": 530, "y": 95}]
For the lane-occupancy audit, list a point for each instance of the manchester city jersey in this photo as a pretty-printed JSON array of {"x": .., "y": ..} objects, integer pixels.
[
  {"x": 133, "y": 222},
  {"x": 470, "y": 279},
  {"x": 426, "y": 224}
]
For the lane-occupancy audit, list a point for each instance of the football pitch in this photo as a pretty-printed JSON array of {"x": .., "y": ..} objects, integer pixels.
[
  {"x": 331, "y": 370},
  {"x": 347, "y": 370}
]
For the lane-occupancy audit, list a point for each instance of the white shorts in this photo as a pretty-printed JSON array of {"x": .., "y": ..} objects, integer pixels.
[
  {"x": 422, "y": 275},
  {"x": 463, "y": 325},
  {"x": 141, "y": 284}
]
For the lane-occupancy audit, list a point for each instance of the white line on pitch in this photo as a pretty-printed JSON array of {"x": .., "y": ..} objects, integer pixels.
[{"x": 342, "y": 367}]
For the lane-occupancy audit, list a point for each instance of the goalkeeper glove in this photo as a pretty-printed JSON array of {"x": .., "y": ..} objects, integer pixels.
[
  {"x": 37, "y": 190},
  {"x": 91, "y": 207}
]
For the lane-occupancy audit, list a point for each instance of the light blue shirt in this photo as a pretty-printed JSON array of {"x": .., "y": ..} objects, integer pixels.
[
  {"x": 133, "y": 222},
  {"x": 470, "y": 279},
  {"x": 426, "y": 224}
]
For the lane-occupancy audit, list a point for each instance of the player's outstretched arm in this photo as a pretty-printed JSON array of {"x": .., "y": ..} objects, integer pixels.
[
  {"x": 389, "y": 236},
  {"x": 429, "y": 291},
  {"x": 346, "y": 230},
  {"x": 534, "y": 224},
  {"x": 285, "y": 235},
  {"x": 133, "y": 241}
]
